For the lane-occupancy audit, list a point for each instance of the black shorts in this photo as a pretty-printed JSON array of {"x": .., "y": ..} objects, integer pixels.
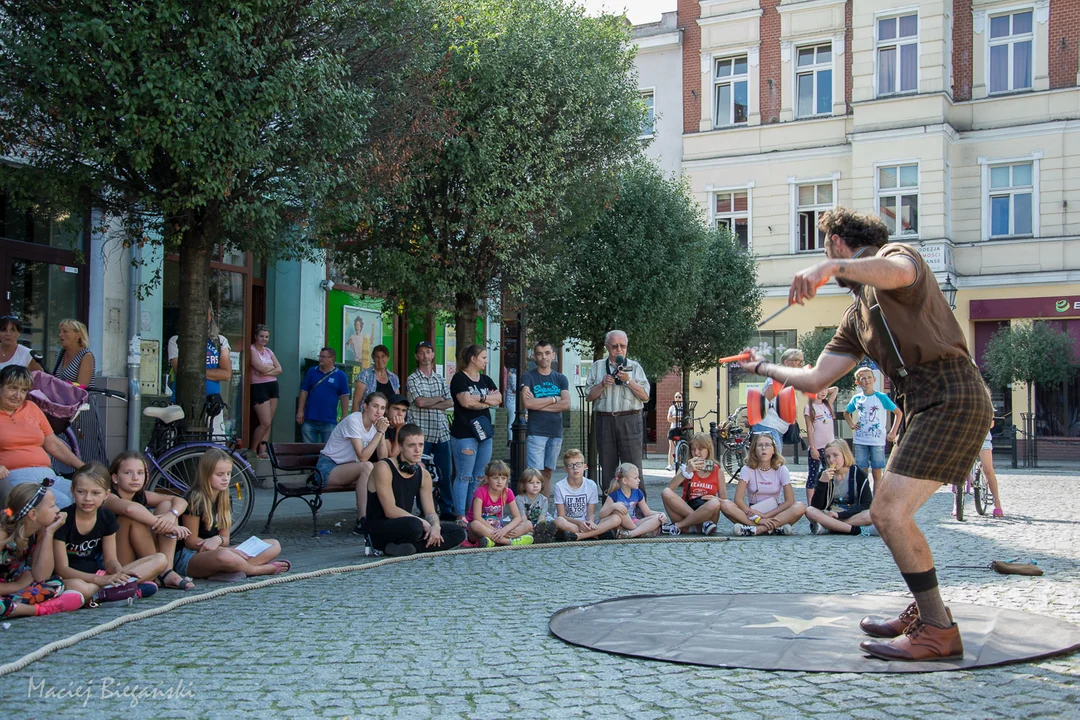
[
  {"x": 696, "y": 503},
  {"x": 264, "y": 392},
  {"x": 674, "y": 433}
]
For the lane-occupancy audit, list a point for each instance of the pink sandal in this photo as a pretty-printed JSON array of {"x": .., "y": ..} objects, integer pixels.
[
  {"x": 279, "y": 563},
  {"x": 998, "y": 512}
]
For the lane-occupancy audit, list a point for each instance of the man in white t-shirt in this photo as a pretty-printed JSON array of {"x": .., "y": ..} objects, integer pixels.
[
  {"x": 866, "y": 414},
  {"x": 350, "y": 454}
]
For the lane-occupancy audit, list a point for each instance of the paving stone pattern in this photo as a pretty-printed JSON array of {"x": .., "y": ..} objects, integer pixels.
[{"x": 466, "y": 636}]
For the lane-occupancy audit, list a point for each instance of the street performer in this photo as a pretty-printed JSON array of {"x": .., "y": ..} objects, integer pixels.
[{"x": 901, "y": 320}]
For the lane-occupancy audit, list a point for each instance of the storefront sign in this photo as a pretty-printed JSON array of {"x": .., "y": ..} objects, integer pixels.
[{"x": 1041, "y": 307}]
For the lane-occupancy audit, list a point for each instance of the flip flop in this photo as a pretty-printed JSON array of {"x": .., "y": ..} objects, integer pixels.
[
  {"x": 279, "y": 562},
  {"x": 184, "y": 584}
]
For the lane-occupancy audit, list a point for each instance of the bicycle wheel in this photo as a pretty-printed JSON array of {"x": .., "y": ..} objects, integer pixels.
[
  {"x": 958, "y": 491},
  {"x": 682, "y": 455},
  {"x": 984, "y": 499},
  {"x": 180, "y": 467},
  {"x": 732, "y": 461}
]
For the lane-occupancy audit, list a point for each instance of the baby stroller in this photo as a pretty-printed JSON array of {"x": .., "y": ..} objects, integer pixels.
[{"x": 61, "y": 402}]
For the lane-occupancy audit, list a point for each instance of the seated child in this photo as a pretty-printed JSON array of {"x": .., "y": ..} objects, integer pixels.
[
  {"x": 764, "y": 501},
  {"x": 28, "y": 585},
  {"x": 206, "y": 552},
  {"x": 626, "y": 502},
  {"x": 493, "y": 517},
  {"x": 575, "y": 502},
  {"x": 841, "y": 503},
  {"x": 85, "y": 545},
  {"x": 702, "y": 484},
  {"x": 149, "y": 521},
  {"x": 534, "y": 506}
]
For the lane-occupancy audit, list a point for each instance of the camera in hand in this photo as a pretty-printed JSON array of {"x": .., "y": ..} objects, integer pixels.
[{"x": 620, "y": 366}]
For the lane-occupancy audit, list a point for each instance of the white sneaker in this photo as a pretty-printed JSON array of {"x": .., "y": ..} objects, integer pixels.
[
  {"x": 708, "y": 528},
  {"x": 743, "y": 531},
  {"x": 870, "y": 530},
  {"x": 669, "y": 468},
  {"x": 818, "y": 529},
  {"x": 783, "y": 530}
]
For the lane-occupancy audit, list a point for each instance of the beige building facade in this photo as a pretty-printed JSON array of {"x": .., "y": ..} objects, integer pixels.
[{"x": 957, "y": 122}]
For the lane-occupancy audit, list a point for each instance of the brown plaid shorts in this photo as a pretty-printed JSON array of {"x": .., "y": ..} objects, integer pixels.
[{"x": 947, "y": 413}]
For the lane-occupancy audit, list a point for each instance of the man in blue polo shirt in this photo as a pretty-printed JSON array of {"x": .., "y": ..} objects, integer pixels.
[{"x": 323, "y": 388}]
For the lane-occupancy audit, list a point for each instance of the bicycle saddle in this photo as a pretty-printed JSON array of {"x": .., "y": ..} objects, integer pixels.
[{"x": 167, "y": 415}]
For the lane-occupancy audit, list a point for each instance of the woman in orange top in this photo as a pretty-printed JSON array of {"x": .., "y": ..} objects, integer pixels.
[{"x": 27, "y": 440}]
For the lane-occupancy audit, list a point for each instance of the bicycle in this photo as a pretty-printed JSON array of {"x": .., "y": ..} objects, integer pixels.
[
  {"x": 977, "y": 485},
  {"x": 735, "y": 441},
  {"x": 173, "y": 454},
  {"x": 682, "y": 446}
]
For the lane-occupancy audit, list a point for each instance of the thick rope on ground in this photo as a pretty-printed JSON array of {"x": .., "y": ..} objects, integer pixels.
[{"x": 46, "y": 650}]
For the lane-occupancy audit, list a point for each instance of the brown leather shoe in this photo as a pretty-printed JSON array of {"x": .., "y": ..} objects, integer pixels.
[
  {"x": 919, "y": 642},
  {"x": 890, "y": 627}
]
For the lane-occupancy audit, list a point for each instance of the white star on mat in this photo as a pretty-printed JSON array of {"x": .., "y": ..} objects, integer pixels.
[{"x": 797, "y": 625}]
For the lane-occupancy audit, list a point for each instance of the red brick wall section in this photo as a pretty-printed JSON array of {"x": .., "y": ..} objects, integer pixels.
[
  {"x": 770, "y": 72},
  {"x": 848, "y": 35},
  {"x": 665, "y": 394},
  {"x": 1064, "y": 36},
  {"x": 962, "y": 34},
  {"x": 689, "y": 11}
]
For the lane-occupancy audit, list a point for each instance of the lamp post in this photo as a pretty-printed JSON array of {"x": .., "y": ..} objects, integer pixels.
[
  {"x": 517, "y": 440},
  {"x": 949, "y": 291}
]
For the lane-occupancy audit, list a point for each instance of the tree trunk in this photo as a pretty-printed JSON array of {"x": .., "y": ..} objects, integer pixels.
[
  {"x": 688, "y": 421},
  {"x": 195, "y": 254},
  {"x": 464, "y": 323}
]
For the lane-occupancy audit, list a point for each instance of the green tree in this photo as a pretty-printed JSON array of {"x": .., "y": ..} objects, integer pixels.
[
  {"x": 542, "y": 104},
  {"x": 1029, "y": 353},
  {"x": 197, "y": 125},
  {"x": 719, "y": 307},
  {"x": 635, "y": 269},
  {"x": 813, "y": 343}
]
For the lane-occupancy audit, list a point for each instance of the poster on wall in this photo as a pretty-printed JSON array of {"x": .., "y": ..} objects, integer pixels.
[
  {"x": 449, "y": 351},
  {"x": 361, "y": 331}
]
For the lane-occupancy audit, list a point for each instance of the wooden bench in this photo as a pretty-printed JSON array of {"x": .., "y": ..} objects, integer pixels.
[{"x": 294, "y": 477}]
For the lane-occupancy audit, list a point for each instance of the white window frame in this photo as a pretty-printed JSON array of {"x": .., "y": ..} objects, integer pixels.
[
  {"x": 730, "y": 80},
  {"x": 1009, "y": 40},
  {"x": 813, "y": 70},
  {"x": 715, "y": 217},
  {"x": 986, "y": 164},
  {"x": 649, "y": 92},
  {"x": 793, "y": 199},
  {"x": 897, "y": 42},
  {"x": 898, "y": 192}
]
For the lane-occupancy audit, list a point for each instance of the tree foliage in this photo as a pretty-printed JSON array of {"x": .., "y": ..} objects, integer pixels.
[
  {"x": 541, "y": 104},
  {"x": 813, "y": 343},
  {"x": 648, "y": 265},
  {"x": 1029, "y": 353},
  {"x": 199, "y": 125}
]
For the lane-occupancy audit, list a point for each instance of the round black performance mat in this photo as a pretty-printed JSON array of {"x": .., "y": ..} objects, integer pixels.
[{"x": 811, "y": 633}]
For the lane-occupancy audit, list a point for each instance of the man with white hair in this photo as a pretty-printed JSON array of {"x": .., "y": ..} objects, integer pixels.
[{"x": 619, "y": 390}]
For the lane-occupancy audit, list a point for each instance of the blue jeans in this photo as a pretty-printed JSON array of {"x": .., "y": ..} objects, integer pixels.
[
  {"x": 61, "y": 488},
  {"x": 468, "y": 468},
  {"x": 314, "y": 431},
  {"x": 869, "y": 455},
  {"x": 440, "y": 452},
  {"x": 778, "y": 440},
  {"x": 542, "y": 452}
]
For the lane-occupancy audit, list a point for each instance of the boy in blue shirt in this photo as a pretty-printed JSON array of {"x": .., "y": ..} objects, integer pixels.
[{"x": 866, "y": 415}]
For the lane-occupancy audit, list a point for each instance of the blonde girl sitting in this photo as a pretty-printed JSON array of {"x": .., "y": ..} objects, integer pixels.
[
  {"x": 149, "y": 521},
  {"x": 28, "y": 585},
  {"x": 694, "y": 494},
  {"x": 626, "y": 502},
  {"x": 85, "y": 545},
  {"x": 493, "y": 517},
  {"x": 764, "y": 501},
  {"x": 206, "y": 552}
]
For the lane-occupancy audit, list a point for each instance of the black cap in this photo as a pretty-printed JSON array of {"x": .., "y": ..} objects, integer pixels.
[
  {"x": 422, "y": 343},
  {"x": 397, "y": 400}
]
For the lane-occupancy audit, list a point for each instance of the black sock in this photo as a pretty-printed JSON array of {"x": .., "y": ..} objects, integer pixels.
[
  {"x": 924, "y": 586},
  {"x": 855, "y": 530}
]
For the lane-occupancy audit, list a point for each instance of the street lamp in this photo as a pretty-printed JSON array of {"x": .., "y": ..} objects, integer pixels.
[{"x": 949, "y": 291}]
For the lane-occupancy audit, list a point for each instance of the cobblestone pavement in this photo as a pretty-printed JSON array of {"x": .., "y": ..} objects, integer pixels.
[{"x": 466, "y": 636}]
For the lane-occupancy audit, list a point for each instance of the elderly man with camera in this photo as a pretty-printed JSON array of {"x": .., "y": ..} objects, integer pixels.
[{"x": 619, "y": 390}]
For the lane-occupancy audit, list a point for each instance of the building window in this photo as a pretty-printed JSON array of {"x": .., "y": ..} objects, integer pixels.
[
  {"x": 648, "y": 125},
  {"x": 813, "y": 81},
  {"x": 732, "y": 211},
  {"x": 1012, "y": 191},
  {"x": 898, "y": 54},
  {"x": 813, "y": 200},
  {"x": 730, "y": 91},
  {"x": 1011, "y": 56},
  {"x": 898, "y": 198}
]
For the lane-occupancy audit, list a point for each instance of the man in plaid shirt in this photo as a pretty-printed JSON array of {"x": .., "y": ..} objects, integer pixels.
[{"x": 429, "y": 399}]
